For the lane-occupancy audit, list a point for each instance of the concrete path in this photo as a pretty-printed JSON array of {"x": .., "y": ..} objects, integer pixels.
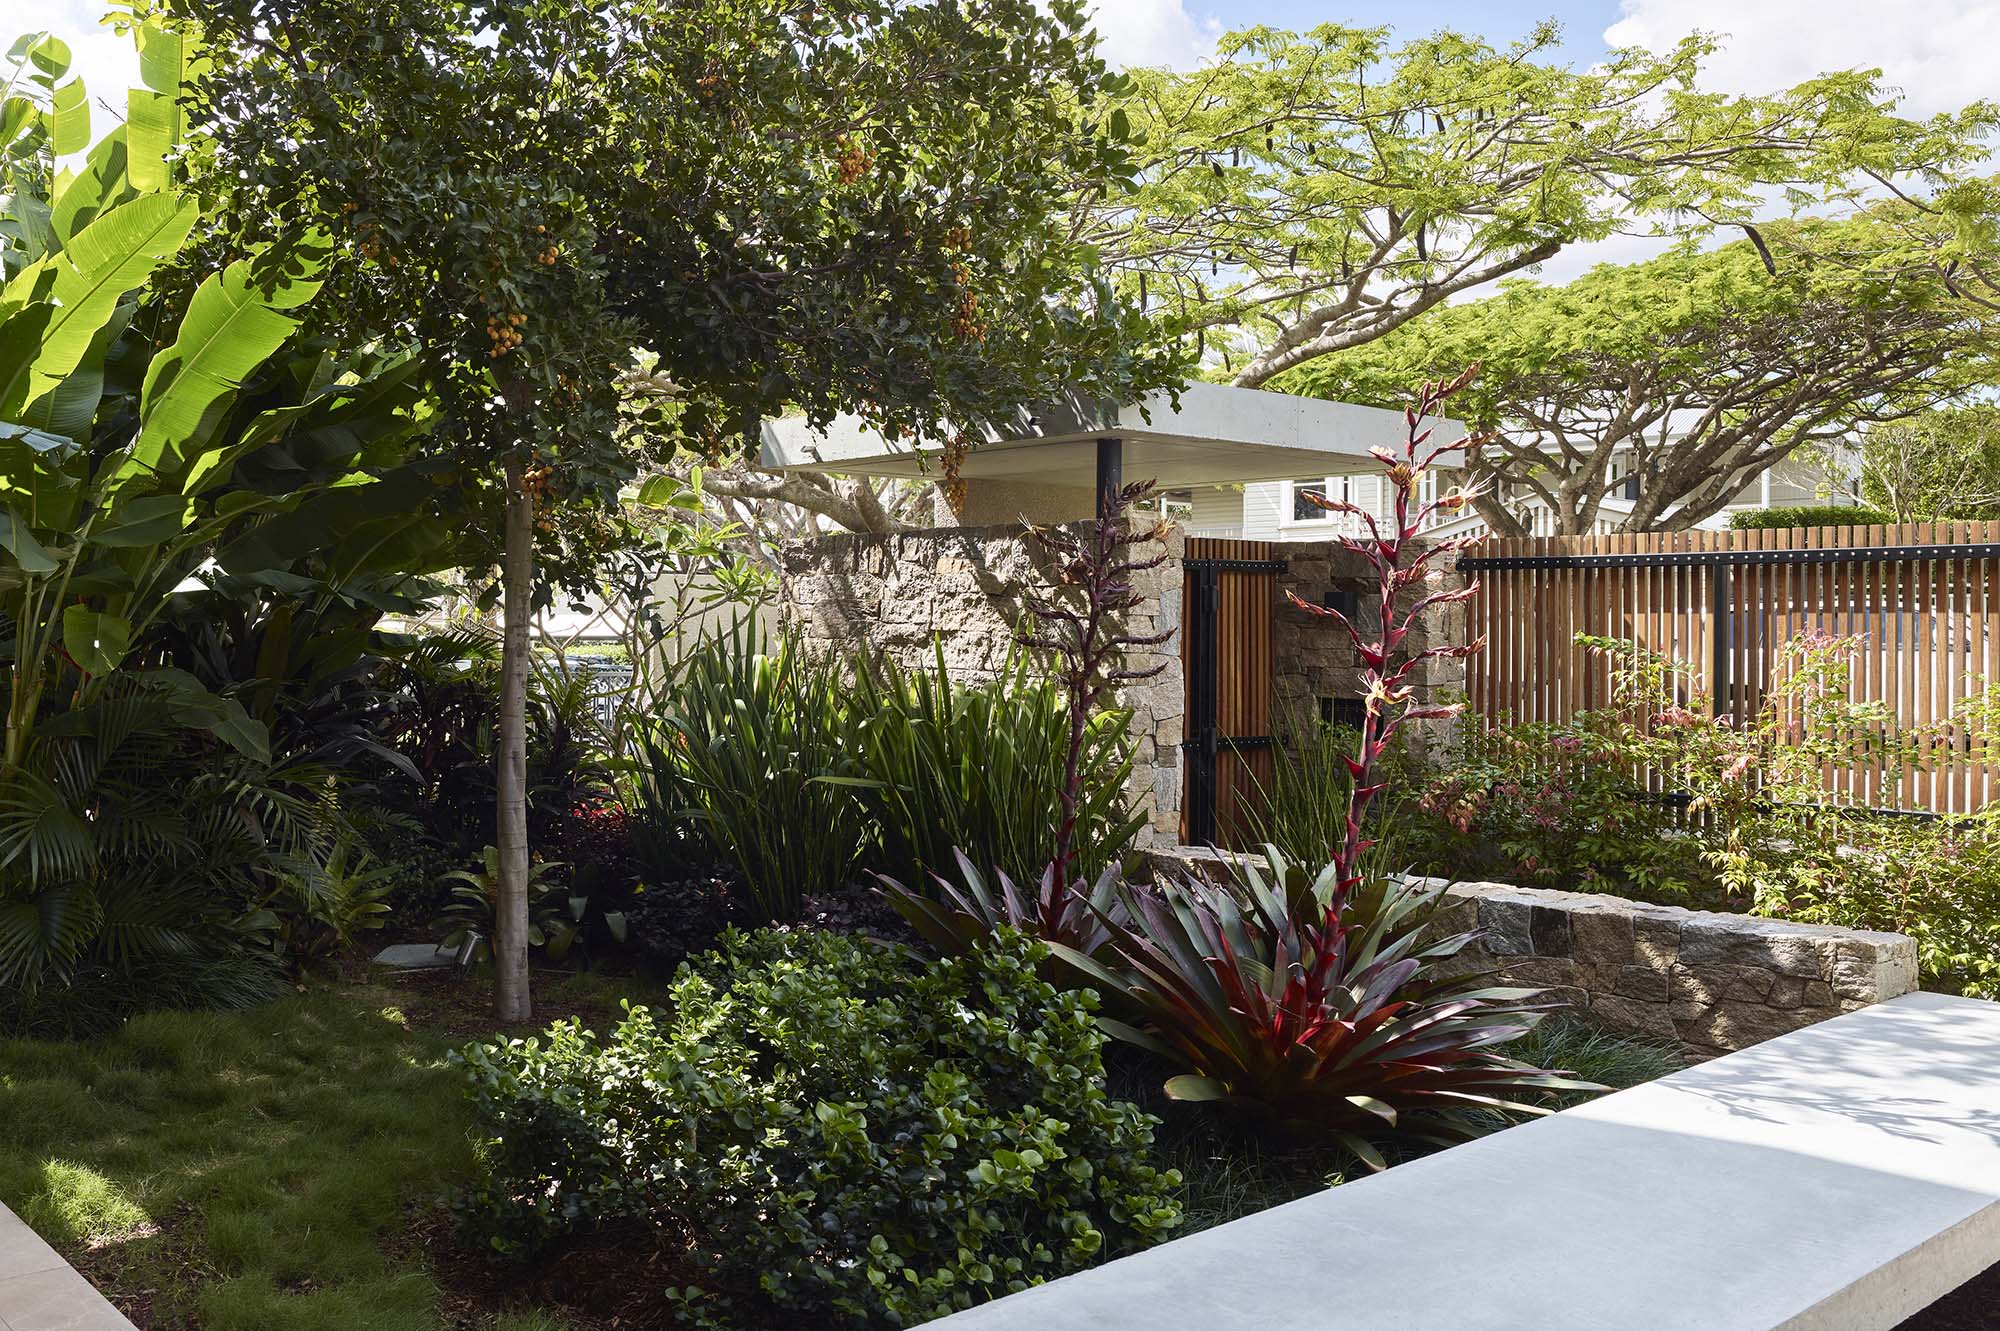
[
  {"x": 1838, "y": 1178},
  {"x": 40, "y": 1292},
  {"x": 415, "y": 957}
]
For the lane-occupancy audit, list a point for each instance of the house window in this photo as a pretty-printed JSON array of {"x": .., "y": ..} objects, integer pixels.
[{"x": 1303, "y": 509}]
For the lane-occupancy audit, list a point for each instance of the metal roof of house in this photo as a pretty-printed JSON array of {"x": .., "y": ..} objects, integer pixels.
[{"x": 1217, "y": 435}]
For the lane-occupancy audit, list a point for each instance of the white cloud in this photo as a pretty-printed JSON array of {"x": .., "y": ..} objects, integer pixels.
[
  {"x": 1154, "y": 32},
  {"x": 1576, "y": 260},
  {"x": 1939, "y": 53},
  {"x": 105, "y": 61}
]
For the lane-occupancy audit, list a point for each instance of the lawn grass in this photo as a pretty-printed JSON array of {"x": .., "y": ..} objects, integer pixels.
[
  {"x": 251, "y": 1170},
  {"x": 275, "y": 1169}
]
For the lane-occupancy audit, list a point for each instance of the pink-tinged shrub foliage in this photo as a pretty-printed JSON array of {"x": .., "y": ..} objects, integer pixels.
[{"x": 1657, "y": 797}]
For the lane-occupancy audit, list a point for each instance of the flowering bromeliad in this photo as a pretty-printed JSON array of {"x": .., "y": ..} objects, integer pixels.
[
  {"x": 1391, "y": 548},
  {"x": 1324, "y": 1001}
]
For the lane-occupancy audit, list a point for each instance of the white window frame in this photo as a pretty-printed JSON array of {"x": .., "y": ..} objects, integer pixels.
[{"x": 1339, "y": 488}]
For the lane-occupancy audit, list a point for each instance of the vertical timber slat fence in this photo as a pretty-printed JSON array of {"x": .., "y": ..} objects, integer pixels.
[
  {"x": 1227, "y": 658},
  {"x": 1921, "y": 601}
]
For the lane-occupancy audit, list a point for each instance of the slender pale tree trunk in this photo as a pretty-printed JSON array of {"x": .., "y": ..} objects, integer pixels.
[{"x": 517, "y": 573}]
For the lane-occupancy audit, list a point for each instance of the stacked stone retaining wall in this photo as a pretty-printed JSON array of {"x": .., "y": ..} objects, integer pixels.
[{"x": 1707, "y": 981}]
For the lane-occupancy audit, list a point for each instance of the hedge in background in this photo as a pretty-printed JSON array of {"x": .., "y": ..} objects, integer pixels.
[{"x": 1807, "y": 515}]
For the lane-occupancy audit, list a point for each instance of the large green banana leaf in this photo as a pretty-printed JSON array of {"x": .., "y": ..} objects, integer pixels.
[
  {"x": 101, "y": 185},
  {"x": 110, "y": 257},
  {"x": 69, "y": 119},
  {"x": 234, "y": 324},
  {"x": 70, "y": 408},
  {"x": 153, "y": 118}
]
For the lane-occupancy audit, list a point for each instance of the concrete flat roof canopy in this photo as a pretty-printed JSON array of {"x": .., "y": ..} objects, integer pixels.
[{"x": 1218, "y": 436}]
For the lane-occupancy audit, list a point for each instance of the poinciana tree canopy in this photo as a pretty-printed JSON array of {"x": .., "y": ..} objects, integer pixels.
[
  {"x": 1675, "y": 382},
  {"x": 1308, "y": 193}
]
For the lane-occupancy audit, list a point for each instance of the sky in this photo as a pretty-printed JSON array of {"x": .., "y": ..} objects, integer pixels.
[{"x": 1938, "y": 53}]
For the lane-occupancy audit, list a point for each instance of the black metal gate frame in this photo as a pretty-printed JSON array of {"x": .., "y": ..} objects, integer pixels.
[{"x": 1202, "y": 613}]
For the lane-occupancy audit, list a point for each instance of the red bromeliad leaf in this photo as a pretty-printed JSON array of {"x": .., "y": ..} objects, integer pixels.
[{"x": 1334, "y": 1020}]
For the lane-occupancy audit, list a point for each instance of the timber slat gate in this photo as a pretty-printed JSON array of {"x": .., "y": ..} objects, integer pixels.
[
  {"x": 1228, "y": 617},
  {"x": 1922, "y": 599}
]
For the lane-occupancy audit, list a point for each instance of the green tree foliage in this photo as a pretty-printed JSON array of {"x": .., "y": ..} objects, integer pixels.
[
  {"x": 1679, "y": 380},
  {"x": 143, "y": 441},
  {"x": 1942, "y": 464},
  {"x": 1311, "y": 192},
  {"x": 1950, "y": 232},
  {"x": 828, "y": 206},
  {"x": 1957, "y": 231},
  {"x": 41, "y": 117}
]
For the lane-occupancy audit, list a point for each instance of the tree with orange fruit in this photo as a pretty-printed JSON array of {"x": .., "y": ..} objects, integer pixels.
[{"x": 826, "y": 206}]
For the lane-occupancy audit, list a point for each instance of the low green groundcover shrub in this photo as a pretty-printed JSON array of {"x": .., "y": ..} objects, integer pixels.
[{"x": 854, "y": 1133}]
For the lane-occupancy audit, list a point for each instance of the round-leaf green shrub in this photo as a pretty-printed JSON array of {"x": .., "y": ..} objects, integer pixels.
[
  {"x": 835, "y": 1122},
  {"x": 1807, "y": 515}
]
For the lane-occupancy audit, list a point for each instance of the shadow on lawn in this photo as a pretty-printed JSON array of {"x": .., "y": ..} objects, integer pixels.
[{"x": 251, "y": 1170}]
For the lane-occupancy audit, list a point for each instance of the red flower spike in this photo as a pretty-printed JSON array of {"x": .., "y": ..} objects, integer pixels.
[
  {"x": 1389, "y": 702},
  {"x": 1271, "y": 988}
]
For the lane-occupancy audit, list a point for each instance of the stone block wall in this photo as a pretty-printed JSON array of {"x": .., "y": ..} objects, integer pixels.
[
  {"x": 961, "y": 588},
  {"x": 1708, "y": 981},
  {"x": 1315, "y": 660}
]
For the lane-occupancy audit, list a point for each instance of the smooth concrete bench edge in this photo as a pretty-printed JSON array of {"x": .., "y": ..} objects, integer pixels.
[
  {"x": 1836, "y": 1056},
  {"x": 1888, "y": 1297},
  {"x": 66, "y": 1302}
]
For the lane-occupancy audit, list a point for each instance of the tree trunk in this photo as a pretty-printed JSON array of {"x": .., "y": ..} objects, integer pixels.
[{"x": 517, "y": 572}]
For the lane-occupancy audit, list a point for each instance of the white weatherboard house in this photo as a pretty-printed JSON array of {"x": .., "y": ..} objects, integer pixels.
[{"x": 1279, "y": 511}]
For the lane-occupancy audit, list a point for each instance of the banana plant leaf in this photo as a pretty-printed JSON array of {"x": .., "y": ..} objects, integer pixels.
[
  {"x": 101, "y": 263},
  {"x": 235, "y": 322}
]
